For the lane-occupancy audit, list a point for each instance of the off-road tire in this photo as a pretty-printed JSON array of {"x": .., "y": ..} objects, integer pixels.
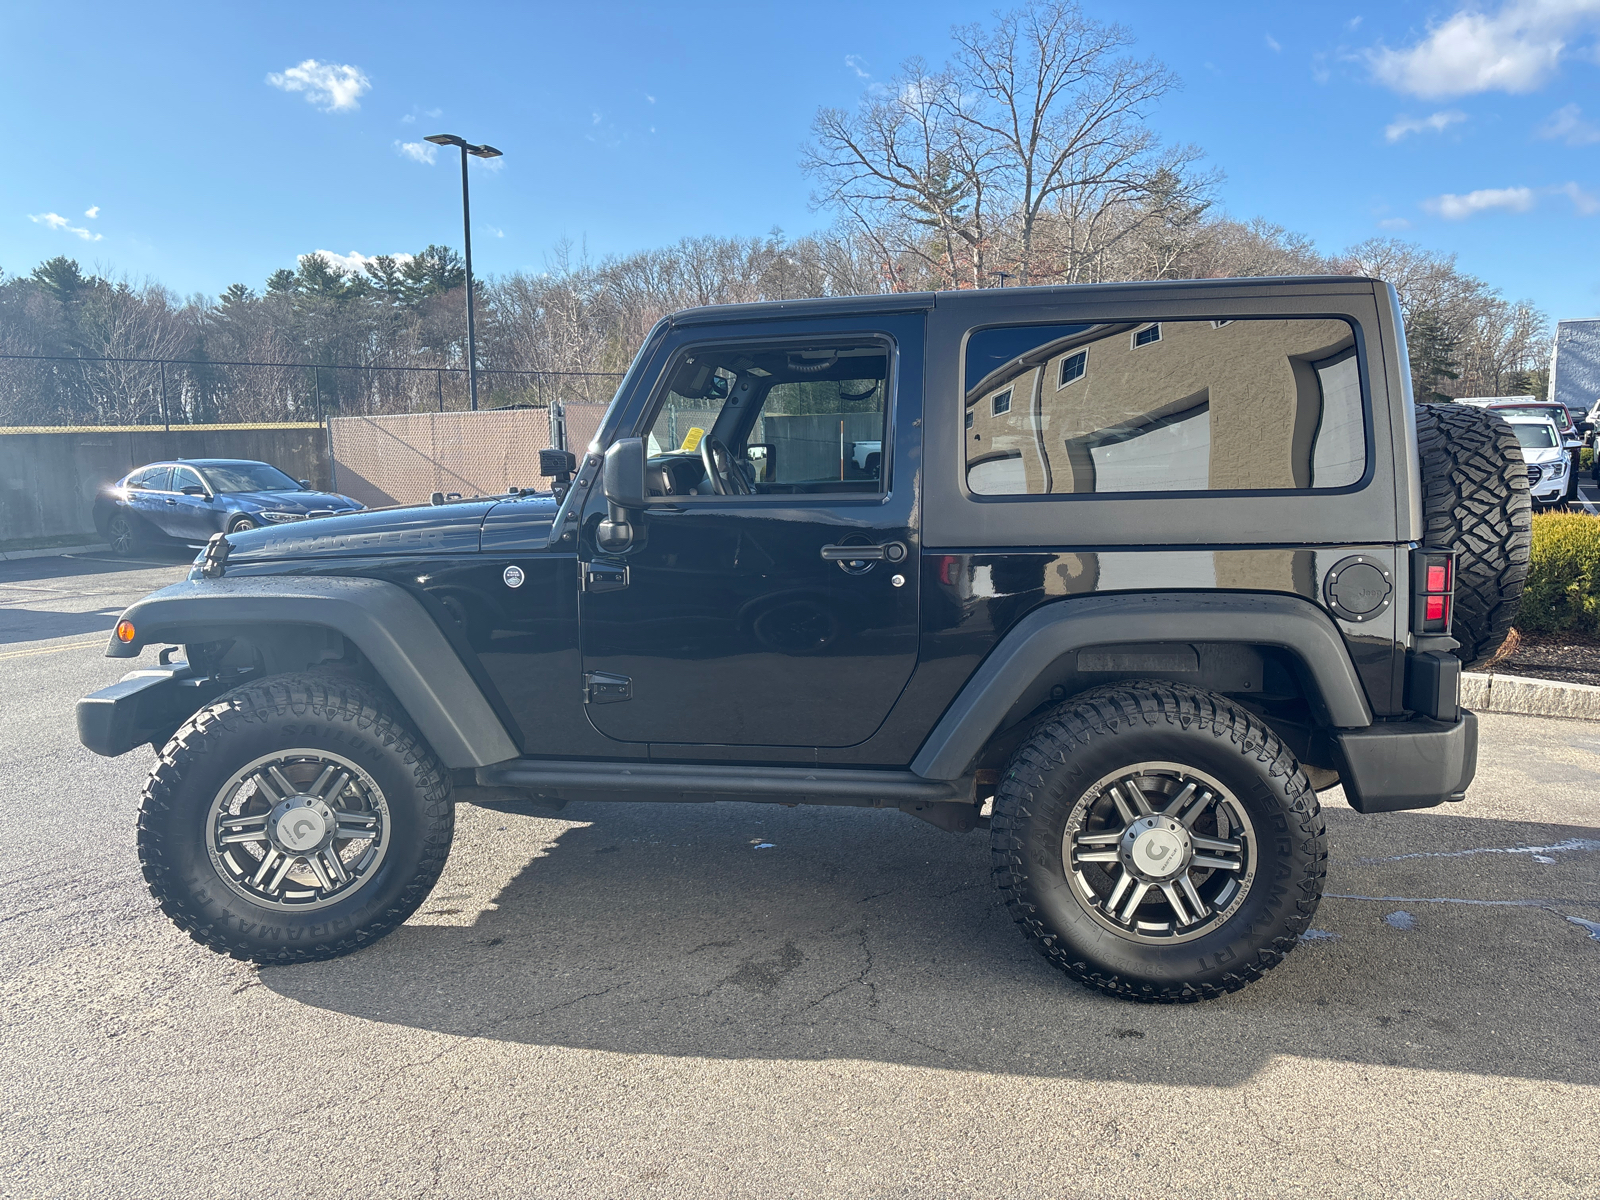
[
  {"x": 1121, "y": 724},
  {"x": 343, "y": 716},
  {"x": 1475, "y": 501}
]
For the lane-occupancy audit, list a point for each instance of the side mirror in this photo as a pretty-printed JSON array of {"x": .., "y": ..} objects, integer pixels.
[
  {"x": 305, "y": 484},
  {"x": 622, "y": 481},
  {"x": 194, "y": 489}
]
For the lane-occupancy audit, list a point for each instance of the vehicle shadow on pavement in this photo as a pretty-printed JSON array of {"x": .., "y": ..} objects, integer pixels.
[
  {"x": 744, "y": 932},
  {"x": 33, "y": 625},
  {"x": 102, "y": 562}
]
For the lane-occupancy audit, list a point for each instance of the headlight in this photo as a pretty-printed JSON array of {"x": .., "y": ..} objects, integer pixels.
[{"x": 278, "y": 518}]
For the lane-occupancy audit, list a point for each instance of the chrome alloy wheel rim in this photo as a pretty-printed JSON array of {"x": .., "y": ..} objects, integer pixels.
[
  {"x": 1159, "y": 853},
  {"x": 300, "y": 829},
  {"x": 121, "y": 535}
]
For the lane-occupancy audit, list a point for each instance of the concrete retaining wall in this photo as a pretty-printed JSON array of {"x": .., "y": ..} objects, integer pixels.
[{"x": 48, "y": 480}]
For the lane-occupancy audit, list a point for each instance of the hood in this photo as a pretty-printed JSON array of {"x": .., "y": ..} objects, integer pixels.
[
  {"x": 1549, "y": 455},
  {"x": 384, "y": 532},
  {"x": 520, "y": 523},
  {"x": 296, "y": 501}
]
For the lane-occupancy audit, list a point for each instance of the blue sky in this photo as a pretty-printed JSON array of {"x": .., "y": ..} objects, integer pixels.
[{"x": 187, "y": 144}]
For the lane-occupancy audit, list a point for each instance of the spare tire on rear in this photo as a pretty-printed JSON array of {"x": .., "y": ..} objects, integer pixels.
[{"x": 1475, "y": 501}]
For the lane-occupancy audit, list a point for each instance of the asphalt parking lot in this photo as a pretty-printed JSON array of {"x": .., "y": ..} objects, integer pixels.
[{"x": 737, "y": 1000}]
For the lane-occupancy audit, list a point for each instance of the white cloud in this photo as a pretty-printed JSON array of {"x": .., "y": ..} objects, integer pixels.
[
  {"x": 332, "y": 87},
  {"x": 409, "y": 119},
  {"x": 1514, "y": 49},
  {"x": 1567, "y": 125},
  {"x": 1587, "y": 203},
  {"x": 92, "y": 213},
  {"x": 1272, "y": 44},
  {"x": 495, "y": 230},
  {"x": 1456, "y": 208},
  {"x": 1437, "y": 123},
  {"x": 352, "y": 263},
  {"x": 1394, "y": 223},
  {"x": 857, "y": 64},
  {"x": 422, "y": 152},
  {"x": 650, "y": 98},
  {"x": 57, "y": 221},
  {"x": 1353, "y": 23}
]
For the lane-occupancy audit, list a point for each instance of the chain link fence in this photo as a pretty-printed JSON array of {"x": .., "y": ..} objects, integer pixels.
[{"x": 405, "y": 458}]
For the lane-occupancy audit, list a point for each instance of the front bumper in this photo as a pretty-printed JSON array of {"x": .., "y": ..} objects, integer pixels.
[
  {"x": 1418, "y": 763},
  {"x": 144, "y": 706}
]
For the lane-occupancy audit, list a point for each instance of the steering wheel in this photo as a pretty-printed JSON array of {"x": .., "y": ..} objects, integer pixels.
[{"x": 722, "y": 469}]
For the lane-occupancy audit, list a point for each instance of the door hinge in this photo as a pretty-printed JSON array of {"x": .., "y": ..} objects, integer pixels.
[
  {"x": 599, "y": 687},
  {"x": 605, "y": 577}
]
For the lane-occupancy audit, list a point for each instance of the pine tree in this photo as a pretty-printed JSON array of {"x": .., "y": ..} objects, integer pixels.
[{"x": 1433, "y": 347}]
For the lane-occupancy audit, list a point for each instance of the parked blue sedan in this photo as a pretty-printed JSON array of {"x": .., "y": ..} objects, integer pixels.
[{"x": 188, "y": 501}]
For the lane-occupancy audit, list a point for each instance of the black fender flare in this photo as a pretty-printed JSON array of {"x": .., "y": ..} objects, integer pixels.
[
  {"x": 402, "y": 642},
  {"x": 1041, "y": 637}
]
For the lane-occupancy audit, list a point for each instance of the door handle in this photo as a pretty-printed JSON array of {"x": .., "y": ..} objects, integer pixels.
[
  {"x": 855, "y": 553},
  {"x": 889, "y": 551},
  {"x": 172, "y": 502}
]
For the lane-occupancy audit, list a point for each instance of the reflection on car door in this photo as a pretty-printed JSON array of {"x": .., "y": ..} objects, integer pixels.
[
  {"x": 147, "y": 497},
  {"x": 192, "y": 518}
]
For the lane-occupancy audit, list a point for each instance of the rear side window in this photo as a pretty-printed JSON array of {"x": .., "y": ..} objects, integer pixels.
[
  {"x": 1175, "y": 406},
  {"x": 151, "y": 479}
]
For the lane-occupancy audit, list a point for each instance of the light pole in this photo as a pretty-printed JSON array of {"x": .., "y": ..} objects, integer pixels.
[{"x": 450, "y": 139}]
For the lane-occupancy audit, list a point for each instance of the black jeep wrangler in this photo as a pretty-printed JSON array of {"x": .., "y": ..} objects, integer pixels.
[{"x": 1126, "y": 574}]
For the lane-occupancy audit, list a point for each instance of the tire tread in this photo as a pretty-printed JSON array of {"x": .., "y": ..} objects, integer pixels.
[
  {"x": 1152, "y": 704},
  {"x": 330, "y": 698}
]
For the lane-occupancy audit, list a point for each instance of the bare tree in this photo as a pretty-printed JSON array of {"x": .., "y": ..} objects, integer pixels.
[
  {"x": 908, "y": 170},
  {"x": 1062, "y": 117}
]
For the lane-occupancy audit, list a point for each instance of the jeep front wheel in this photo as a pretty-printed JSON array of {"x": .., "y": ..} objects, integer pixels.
[
  {"x": 1158, "y": 842},
  {"x": 297, "y": 818}
]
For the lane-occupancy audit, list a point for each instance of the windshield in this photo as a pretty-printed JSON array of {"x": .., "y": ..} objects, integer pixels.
[
  {"x": 1536, "y": 437},
  {"x": 249, "y": 477},
  {"x": 1549, "y": 413}
]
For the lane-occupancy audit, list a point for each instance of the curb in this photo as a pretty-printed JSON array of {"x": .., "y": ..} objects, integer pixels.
[
  {"x": 1521, "y": 696},
  {"x": 58, "y": 551}
]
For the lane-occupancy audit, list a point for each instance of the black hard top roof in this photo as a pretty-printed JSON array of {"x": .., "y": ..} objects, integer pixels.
[{"x": 922, "y": 301}]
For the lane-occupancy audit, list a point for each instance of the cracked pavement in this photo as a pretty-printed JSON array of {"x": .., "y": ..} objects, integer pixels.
[{"x": 636, "y": 1001}]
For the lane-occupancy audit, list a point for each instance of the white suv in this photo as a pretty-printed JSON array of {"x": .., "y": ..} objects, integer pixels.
[{"x": 1546, "y": 457}]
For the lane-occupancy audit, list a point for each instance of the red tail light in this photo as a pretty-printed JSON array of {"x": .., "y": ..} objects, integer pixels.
[{"x": 1433, "y": 585}]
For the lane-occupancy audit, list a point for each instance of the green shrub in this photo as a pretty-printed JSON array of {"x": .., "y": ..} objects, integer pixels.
[
  {"x": 1563, "y": 592},
  {"x": 1586, "y": 458}
]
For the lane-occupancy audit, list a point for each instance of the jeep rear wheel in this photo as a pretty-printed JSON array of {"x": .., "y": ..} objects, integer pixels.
[
  {"x": 1158, "y": 842},
  {"x": 297, "y": 818},
  {"x": 1475, "y": 501}
]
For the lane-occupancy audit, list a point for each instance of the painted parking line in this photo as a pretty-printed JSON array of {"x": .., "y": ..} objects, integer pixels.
[{"x": 99, "y": 642}]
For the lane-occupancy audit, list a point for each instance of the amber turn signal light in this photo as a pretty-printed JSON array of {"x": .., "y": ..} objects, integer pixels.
[{"x": 124, "y": 631}]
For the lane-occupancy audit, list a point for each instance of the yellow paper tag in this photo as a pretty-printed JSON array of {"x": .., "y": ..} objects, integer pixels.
[{"x": 691, "y": 440}]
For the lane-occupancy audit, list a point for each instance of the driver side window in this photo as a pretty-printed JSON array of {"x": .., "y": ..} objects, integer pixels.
[{"x": 779, "y": 418}]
